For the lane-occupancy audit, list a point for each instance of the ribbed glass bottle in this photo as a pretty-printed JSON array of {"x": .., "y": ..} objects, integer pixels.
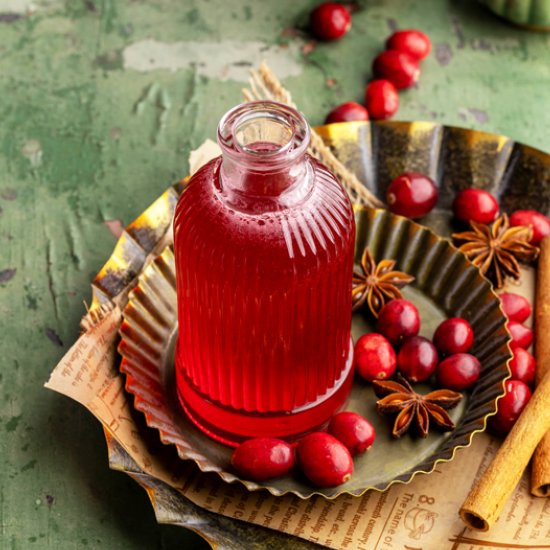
[{"x": 264, "y": 240}]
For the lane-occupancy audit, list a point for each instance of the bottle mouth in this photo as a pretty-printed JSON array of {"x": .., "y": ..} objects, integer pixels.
[{"x": 263, "y": 134}]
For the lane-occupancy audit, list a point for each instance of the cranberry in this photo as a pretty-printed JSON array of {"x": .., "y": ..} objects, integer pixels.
[
  {"x": 522, "y": 336},
  {"x": 539, "y": 223},
  {"x": 415, "y": 43},
  {"x": 263, "y": 458},
  {"x": 417, "y": 359},
  {"x": 515, "y": 307},
  {"x": 458, "y": 371},
  {"x": 411, "y": 194},
  {"x": 398, "y": 319},
  {"x": 381, "y": 99},
  {"x": 374, "y": 357},
  {"x": 510, "y": 406},
  {"x": 475, "y": 205},
  {"x": 454, "y": 335},
  {"x": 324, "y": 460},
  {"x": 399, "y": 68},
  {"x": 523, "y": 366},
  {"x": 354, "y": 431},
  {"x": 330, "y": 21},
  {"x": 347, "y": 112}
]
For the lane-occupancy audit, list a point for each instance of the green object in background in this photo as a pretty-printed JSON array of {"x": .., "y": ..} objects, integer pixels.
[
  {"x": 86, "y": 144},
  {"x": 534, "y": 14}
]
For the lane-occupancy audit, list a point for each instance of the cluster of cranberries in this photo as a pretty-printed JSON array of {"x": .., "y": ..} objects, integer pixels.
[
  {"x": 396, "y": 68},
  {"x": 325, "y": 458},
  {"x": 397, "y": 346},
  {"x": 414, "y": 195},
  {"x": 522, "y": 365},
  {"x": 478, "y": 205}
]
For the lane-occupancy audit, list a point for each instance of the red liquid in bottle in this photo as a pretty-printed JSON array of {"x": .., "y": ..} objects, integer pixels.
[{"x": 264, "y": 240}]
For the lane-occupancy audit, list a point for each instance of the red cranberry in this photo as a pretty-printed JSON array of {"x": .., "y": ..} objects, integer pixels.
[
  {"x": 347, "y": 112},
  {"x": 417, "y": 359},
  {"x": 324, "y": 460},
  {"x": 458, "y": 371},
  {"x": 263, "y": 458},
  {"x": 523, "y": 366},
  {"x": 411, "y": 194},
  {"x": 374, "y": 357},
  {"x": 399, "y": 68},
  {"x": 454, "y": 335},
  {"x": 330, "y": 21},
  {"x": 516, "y": 307},
  {"x": 539, "y": 223},
  {"x": 415, "y": 43},
  {"x": 381, "y": 99},
  {"x": 522, "y": 336},
  {"x": 398, "y": 319},
  {"x": 510, "y": 406},
  {"x": 475, "y": 205},
  {"x": 354, "y": 431}
]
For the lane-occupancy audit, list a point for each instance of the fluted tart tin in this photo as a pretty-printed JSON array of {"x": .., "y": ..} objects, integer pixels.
[{"x": 446, "y": 285}]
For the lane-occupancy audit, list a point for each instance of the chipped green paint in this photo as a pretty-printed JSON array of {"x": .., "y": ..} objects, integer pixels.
[
  {"x": 75, "y": 153},
  {"x": 157, "y": 99},
  {"x": 31, "y": 297},
  {"x": 12, "y": 423},
  {"x": 28, "y": 466}
]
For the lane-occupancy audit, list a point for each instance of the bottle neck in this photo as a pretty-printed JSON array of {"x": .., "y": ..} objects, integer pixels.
[
  {"x": 236, "y": 178},
  {"x": 264, "y": 152}
]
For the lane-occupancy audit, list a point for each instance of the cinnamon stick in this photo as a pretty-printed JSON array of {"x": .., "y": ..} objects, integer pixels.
[
  {"x": 490, "y": 493},
  {"x": 492, "y": 490},
  {"x": 540, "y": 467}
]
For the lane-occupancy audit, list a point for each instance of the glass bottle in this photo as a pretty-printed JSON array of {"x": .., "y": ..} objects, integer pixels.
[{"x": 264, "y": 241}]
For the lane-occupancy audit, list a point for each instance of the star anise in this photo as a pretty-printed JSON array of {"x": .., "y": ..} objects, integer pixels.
[
  {"x": 498, "y": 249},
  {"x": 377, "y": 284},
  {"x": 414, "y": 409}
]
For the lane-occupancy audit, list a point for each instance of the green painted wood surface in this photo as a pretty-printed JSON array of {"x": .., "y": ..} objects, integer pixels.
[{"x": 86, "y": 138}]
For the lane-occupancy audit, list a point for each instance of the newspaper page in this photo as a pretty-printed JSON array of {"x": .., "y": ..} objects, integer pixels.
[{"x": 420, "y": 515}]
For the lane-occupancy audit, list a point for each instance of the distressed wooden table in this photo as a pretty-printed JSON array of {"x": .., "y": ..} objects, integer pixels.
[{"x": 100, "y": 104}]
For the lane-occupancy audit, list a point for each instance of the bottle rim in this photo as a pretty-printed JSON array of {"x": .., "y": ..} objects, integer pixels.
[{"x": 289, "y": 125}]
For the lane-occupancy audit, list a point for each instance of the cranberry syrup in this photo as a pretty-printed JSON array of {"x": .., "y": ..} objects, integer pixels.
[{"x": 264, "y": 240}]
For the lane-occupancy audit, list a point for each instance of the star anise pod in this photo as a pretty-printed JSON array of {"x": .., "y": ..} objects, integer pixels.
[
  {"x": 414, "y": 409},
  {"x": 498, "y": 249},
  {"x": 377, "y": 283}
]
